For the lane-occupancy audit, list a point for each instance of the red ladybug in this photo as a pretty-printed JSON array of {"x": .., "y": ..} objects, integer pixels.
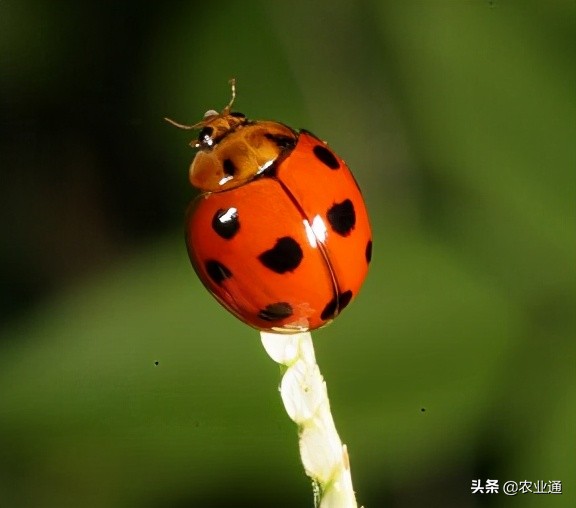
[{"x": 280, "y": 235}]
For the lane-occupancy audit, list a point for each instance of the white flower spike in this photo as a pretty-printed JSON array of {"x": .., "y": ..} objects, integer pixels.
[{"x": 305, "y": 398}]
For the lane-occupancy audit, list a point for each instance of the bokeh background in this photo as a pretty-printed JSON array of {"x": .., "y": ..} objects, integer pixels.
[{"x": 124, "y": 385}]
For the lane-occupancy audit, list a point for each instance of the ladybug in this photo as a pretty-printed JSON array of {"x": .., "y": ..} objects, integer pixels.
[{"x": 280, "y": 235}]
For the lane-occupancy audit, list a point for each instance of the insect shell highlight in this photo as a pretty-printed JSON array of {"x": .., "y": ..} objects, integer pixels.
[{"x": 280, "y": 235}]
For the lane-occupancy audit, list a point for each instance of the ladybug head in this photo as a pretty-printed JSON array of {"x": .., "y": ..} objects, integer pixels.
[{"x": 214, "y": 126}]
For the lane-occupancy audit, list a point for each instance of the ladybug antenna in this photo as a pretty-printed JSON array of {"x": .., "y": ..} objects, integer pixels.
[
  {"x": 179, "y": 125},
  {"x": 226, "y": 111},
  {"x": 210, "y": 112},
  {"x": 228, "y": 107}
]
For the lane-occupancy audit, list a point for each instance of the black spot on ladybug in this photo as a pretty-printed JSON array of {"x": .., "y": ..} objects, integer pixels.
[
  {"x": 369, "y": 251},
  {"x": 229, "y": 167},
  {"x": 342, "y": 217},
  {"x": 276, "y": 311},
  {"x": 225, "y": 223},
  {"x": 344, "y": 300},
  {"x": 329, "y": 310},
  {"x": 325, "y": 156},
  {"x": 217, "y": 271},
  {"x": 280, "y": 140},
  {"x": 334, "y": 306},
  {"x": 285, "y": 256}
]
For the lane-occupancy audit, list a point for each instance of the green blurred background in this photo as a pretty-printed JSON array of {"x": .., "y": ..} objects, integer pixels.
[{"x": 456, "y": 362}]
